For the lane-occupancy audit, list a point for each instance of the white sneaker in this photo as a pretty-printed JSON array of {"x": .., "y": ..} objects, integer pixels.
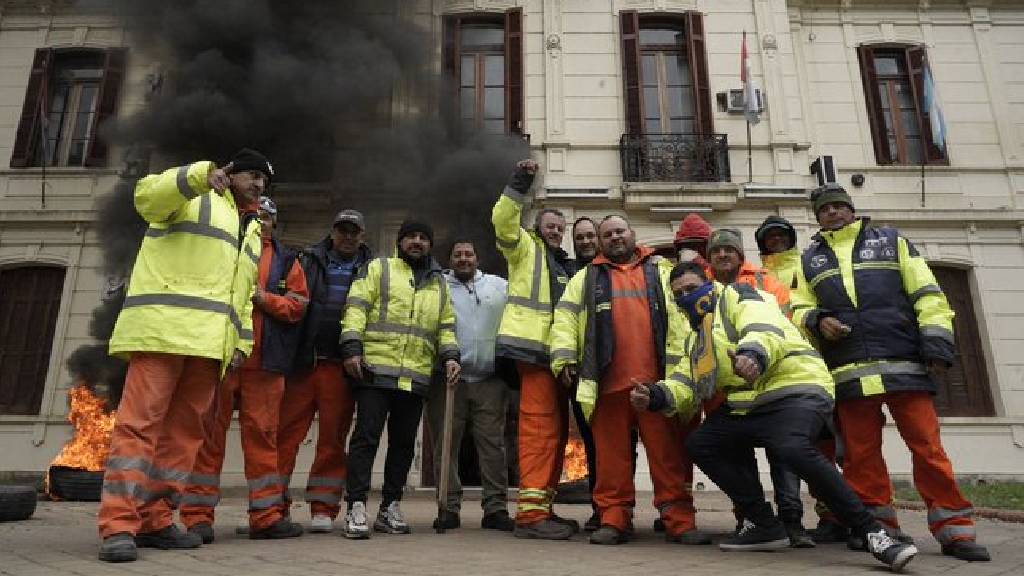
[
  {"x": 391, "y": 520},
  {"x": 321, "y": 524},
  {"x": 356, "y": 526}
]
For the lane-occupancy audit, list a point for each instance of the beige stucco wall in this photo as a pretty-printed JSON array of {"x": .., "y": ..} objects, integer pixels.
[{"x": 803, "y": 56}]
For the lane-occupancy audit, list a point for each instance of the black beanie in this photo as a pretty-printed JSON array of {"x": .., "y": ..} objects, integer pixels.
[
  {"x": 410, "y": 226},
  {"x": 249, "y": 159}
]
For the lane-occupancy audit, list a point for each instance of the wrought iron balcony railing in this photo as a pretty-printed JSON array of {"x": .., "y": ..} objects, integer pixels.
[{"x": 675, "y": 158}]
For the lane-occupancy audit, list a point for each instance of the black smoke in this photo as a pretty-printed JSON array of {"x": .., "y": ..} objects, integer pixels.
[{"x": 339, "y": 93}]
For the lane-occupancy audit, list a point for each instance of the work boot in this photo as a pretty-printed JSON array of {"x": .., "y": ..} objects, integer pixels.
[
  {"x": 283, "y": 528},
  {"x": 968, "y": 550},
  {"x": 659, "y": 525},
  {"x": 798, "y": 535},
  {"x": 757, "y": 538},
  {"x": 168, "y": 538},
  {"x": 572, "y": 524},
  {"x": 499, "y": 520},
  {"x": 829, "y": 531},
  {"x": 890, "y": 551},
  {"x": 242, "y": 528},
  {"x": 546, "y": 529},
  {"x": 448, "y": 521},
  {"x": 606, "y": 535},
  {"x": 203, "y": 530},
  {"x": 119, "y": 547},
  {"x": 391, "y": 521},
  {"x": 356, "y": 527},
  {"x": 321, "y": 524},
  {"x": 592, "y": 523},
  {"x": 691, "y": 537},
  {"x": 859, "y": 543}
]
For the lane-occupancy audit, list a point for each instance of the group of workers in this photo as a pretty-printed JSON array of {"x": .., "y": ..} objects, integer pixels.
[{"x": 702, "y": 360}]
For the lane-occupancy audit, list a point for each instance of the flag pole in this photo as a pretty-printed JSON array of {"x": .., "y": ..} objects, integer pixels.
[
  {"x": 922, "y": 172},
  {"x": 750, "y": 157}
]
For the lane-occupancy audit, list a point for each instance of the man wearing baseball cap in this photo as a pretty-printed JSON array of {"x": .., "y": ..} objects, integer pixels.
[{"x": 318, "y": 385}]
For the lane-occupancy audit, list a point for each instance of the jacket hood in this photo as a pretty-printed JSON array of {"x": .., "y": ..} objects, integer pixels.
[
  {"x": 693, "y": 227},
  {"x": 774, "y": 222},
  {"x": 449, "y": 274}
]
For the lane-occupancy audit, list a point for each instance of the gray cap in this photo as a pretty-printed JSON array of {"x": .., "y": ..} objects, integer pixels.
[{"x": 352, "y": 217}]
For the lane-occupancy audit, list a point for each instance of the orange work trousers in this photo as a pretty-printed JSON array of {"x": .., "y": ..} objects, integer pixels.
[
  {"x": 322, "y": 391},
  {"x": 156, "y": 437},
  {"x": 663, "y": 439},
  {"x": 258, "y": 394},
  {"x": 861, "y": 421},
  {"x": 543, "y": 433}
]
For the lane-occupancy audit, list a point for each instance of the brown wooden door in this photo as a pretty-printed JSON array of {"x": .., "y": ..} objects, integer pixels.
[
  {"x": 29, "y": 303},
  {"x": 965, "y": 391}
]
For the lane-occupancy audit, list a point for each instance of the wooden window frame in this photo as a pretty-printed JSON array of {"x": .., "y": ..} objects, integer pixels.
[
  {"x": 915, "y": 61},
  {"x": 512, "y": 23},
  {"x": 28, "y": 148}
]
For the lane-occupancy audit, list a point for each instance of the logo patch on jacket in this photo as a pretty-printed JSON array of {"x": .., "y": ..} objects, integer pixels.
[
  {"x": 867, "y": 254},
  {"x": 819, "y": 261}
]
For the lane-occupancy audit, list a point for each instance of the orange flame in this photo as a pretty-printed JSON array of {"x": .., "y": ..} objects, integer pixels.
[
  {"x": 574, "y": 466},
  {"x": 88, "y": 448}
]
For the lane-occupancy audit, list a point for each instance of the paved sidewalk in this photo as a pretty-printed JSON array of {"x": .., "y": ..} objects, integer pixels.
[{"x": 61, "y": 539}]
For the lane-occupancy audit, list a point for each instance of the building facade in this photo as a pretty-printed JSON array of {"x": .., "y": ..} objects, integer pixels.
[{"x": 630, "y": 107}]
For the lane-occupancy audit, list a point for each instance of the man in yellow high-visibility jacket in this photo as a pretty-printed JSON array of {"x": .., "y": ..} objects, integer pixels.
[{"x": 186, "y": 317}]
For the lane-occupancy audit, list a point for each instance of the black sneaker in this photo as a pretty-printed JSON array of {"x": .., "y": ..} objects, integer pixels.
[
  {"x": 203, "y": 530},
  {"x": 757, "y": 538},
  {"x": 859, "y": 544},
  {"x": 592, "y": 523},
  {"x": 608, "y": 535},
  {"x": 283, "y": 528},
  {"x": 499, "y": 520},
  {"x": 572, "y": 524},
  {"x": 691, "y": 537},
  {"x": 968, "y": 550},
  {"x": 798, "y": 535},
  {"x": 546, "y": 529},
  {"x": 890, "y": 551},
  {"x": 659, "y": 525},
  {"x": 169, "y": 538},
  {"x": 829, "y": 531},
  {"x": 119, "y": 547},
  {"x": 447, "y": 521}
]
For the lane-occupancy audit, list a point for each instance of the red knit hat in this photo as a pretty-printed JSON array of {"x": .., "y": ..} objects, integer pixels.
[{"x": 693, "y": 227}]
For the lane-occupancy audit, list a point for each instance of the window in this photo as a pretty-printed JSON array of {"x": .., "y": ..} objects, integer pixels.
[
  {"x": 70, "y": 93},
  {"x": 894, "y": 90},
  {"x": 29, "y": 302},
  {"x": 483, "y": 54},
  {"x": 666, "y": 74},
  {"x": 965, "y": 390}
]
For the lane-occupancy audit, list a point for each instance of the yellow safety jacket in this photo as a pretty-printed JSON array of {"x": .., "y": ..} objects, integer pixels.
[
  {"x": 783, "y": 265},
  {"x": 745, "y": 321},
  {"x": 574, "y": 335},
  {"x": 873, "y": 280},
  {"x": 523, "y": 333},
  {"x": 403, "y": 329},
  {"x": 191, "y": 289}
]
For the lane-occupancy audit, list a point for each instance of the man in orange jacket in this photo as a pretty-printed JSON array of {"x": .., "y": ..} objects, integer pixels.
[{"x": 257, "y": 386}]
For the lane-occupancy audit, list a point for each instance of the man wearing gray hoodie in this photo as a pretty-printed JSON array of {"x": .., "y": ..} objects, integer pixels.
[{"x": 481, "y": 396}]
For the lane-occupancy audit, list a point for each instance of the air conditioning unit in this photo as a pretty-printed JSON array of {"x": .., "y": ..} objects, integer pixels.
[
  {"x": 734, "y": 104},
  {"x": 824, "y": 169}
]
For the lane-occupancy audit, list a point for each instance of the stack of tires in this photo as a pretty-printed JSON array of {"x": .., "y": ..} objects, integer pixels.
[{"x": 17, "y": 502}]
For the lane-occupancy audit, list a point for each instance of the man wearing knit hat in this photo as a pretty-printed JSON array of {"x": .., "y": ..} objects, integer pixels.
[
  {"x": 691, "y": 241},
  {"x": 398, "y": 328},
  {"x": 885, "y": 330}
]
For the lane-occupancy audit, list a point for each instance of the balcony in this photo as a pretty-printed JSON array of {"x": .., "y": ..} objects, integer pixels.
[{"x": 675, "y": 158}]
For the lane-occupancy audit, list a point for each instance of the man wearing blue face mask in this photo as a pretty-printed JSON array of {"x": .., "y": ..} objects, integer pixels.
[{"x": 779, "y": 397}]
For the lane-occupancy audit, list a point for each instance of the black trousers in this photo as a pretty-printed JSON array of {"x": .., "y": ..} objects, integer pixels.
[
  {"x": 401, "y": 412},
  {"x": 788, "y": 429},
  {"x": 786, "y": 484}
]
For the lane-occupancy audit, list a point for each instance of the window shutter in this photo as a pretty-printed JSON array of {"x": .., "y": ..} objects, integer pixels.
[
  {"x": 917, "y": 63},
  {"x": 26, "y": 139},
  {"x": 514, "y": 71},
  {"x": 106, "y": 105},
  {"x": 875, "y": 119},
  {"x": 629, "y": 25},
  {"x": 699, "y": 65}
]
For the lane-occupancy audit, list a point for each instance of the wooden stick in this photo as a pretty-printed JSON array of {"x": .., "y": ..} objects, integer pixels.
[{"x": 446, "y": 456}]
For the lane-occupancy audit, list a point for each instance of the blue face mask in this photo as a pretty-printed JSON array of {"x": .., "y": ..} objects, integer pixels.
[{"x": 697, "y": 304}]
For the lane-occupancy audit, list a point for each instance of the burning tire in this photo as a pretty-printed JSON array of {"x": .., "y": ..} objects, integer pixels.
[
  {"x": 75, "y": 484},
  {"x": 17, "y": 502}
]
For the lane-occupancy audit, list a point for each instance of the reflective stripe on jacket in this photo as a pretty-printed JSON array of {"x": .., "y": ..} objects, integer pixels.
[
  {"x": 874, "y": 281},
  {"x": 746, "y": 322},
  {"x": 523, "y": 334},
  {"x": 191, "y": 288},
  {"x": 574, "y": 333},
  {"x": 404, "y": 329}
]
